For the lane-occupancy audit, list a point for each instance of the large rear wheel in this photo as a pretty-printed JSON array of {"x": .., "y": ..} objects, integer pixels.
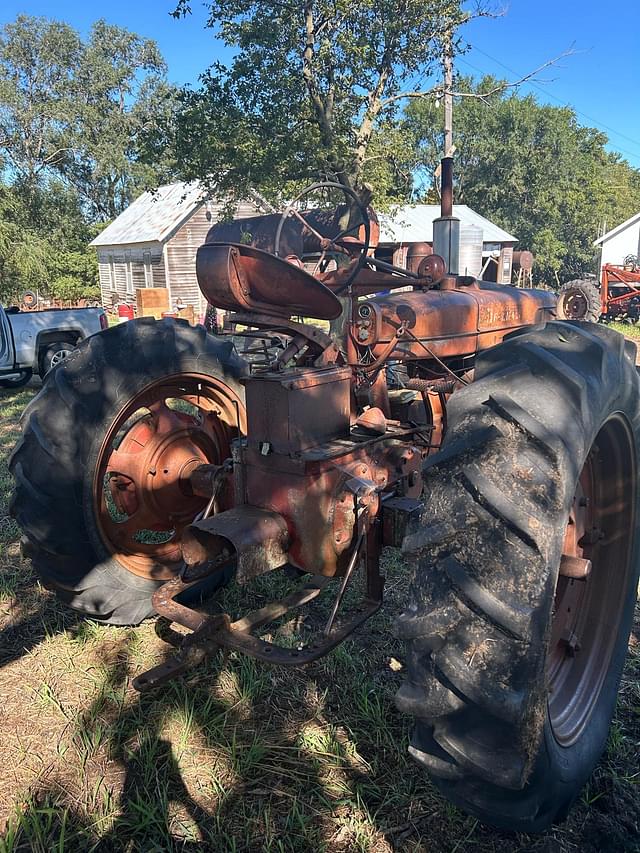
[
  {"x": 101, "y": 471},
  {"x": 579, "y": 300},
  {"x": 527, "y": 561}
]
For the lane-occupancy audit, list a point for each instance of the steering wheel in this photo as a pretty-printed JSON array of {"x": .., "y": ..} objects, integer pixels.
[{"x": 338, "y": 243}]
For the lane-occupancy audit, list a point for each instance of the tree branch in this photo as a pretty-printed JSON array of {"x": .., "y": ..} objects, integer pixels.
[
  {"x": 439, "y": 91},
  {"x": 310, "y": 78}
]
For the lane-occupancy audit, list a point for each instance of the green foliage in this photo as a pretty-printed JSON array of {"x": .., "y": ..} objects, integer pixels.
[
  {"x": 311, "y": 92},
  {"x": 23, "y": 253},
  {"x": 75, "y": 109},
  {"x": 74, "y": 275},
  {"x": 534, "y": 170},
  {"x": 72, "y": 113}
]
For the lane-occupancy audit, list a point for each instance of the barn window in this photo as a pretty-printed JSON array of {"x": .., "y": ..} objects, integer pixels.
[
  {"x": 148, "y": 272},
  {"x": 129, "y": 272},
  {"x": 112, "y": 278}
]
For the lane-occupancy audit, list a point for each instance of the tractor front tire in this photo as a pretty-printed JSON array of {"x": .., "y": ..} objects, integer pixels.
[
  {"x": 513, "y": 665},
  {"x": 91, "y": 556},
  {"x": 579, "y": 300}
]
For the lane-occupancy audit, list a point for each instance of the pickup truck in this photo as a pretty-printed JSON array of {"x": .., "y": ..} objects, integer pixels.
[{"x": 35, "y": 341}]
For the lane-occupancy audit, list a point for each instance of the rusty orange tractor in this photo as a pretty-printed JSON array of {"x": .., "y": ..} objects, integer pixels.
[
  {"x": 617, "y": 297},
  {"x": 454, "y": 418}
]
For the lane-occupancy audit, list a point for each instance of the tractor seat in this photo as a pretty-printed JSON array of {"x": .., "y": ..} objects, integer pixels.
[{"x": 238, "y": 277}]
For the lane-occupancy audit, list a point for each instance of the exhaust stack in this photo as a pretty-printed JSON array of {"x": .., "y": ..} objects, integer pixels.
[{"x": 446, "y": 229}]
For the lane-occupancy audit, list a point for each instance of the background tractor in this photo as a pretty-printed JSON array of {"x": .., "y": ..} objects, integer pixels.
[
  {"x": 451, "y": 417},
  {"x": 617, "y": 297}
]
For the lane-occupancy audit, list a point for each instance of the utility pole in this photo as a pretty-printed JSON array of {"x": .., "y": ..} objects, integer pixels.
[
  {"x": 447, "y": 62},
  {"x": 446, "y": 228}
]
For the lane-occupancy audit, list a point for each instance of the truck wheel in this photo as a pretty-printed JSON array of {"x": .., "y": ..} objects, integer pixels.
[
  {"x": 17, "y": 381},
  {"x": 527, "y": 559},
  {"x": 579, "y": 300},
  {"x": 100, "y": 471},
  {"x": 53, "y": 354}
]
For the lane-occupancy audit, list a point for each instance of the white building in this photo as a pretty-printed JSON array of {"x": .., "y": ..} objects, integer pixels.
[{"x": 620, "y": 242}]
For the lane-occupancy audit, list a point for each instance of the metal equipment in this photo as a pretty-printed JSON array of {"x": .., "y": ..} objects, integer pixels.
[{"x": 444, "y": 415}]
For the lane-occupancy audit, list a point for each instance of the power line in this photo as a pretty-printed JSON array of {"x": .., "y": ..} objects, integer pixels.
[{"x": 564, "y": 104}]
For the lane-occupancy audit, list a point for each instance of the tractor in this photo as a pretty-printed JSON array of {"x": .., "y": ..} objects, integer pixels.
[
  {"x": 617, "y": 298},
  {"x": 374, "y": 406}
]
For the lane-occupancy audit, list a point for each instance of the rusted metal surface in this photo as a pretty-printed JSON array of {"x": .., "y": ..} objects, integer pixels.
[
  {"x": 330, "y": 465},
  {"x": 416, "y": 253},
  {"x": 457, "y": 321},
  {"x": 590, "y": 597},
  {"x": 242, "y": 278},
  {"x": 313, "y": 489},
  {"x": 257, "y": 537},
  {"x": 620, "y": 292},
  {"x": 440, "y": 386},
  {"x": 291, "y": 411},
  {"x": 212, "y": 632},
  {"x": 373, "y": 420},
  {"x": 523, "y": 260},
  {"x": 141, "y": 488},
  {"x": 571, "y": 566},
  {"x": 446, "y": 190}
]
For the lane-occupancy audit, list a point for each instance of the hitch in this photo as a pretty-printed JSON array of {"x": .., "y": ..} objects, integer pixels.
[{"x": 210, "y": 633}]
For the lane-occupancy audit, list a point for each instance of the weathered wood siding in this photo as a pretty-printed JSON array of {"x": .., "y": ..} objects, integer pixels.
[
  {"x": 122, "y": 269},
  {"x": 180, "y": 252},
  {"x": 127, "y": 267}
]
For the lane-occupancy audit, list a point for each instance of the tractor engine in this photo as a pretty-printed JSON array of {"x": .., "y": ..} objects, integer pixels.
[{"x": 308, "y": 484}]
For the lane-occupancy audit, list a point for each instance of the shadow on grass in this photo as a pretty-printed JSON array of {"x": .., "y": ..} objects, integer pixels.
[{"x": 240, "y": 756}]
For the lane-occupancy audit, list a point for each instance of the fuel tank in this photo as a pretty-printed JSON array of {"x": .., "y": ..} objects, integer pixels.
[{"x": 460, "y": 318}]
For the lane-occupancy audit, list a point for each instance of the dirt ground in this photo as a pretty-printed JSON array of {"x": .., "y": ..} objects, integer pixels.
[{"x": 238, "y": 756}]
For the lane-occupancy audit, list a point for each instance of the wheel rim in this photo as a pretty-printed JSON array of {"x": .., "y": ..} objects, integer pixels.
[
  {"x": 587, "y": 612},
  {"x": 141, "y": 498},
  {"x": 57, "y": 357},
  {"x": 574, "y": 305}
]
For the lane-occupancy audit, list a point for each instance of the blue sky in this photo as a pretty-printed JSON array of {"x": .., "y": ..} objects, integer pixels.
[{"x": 601, "y": 81}]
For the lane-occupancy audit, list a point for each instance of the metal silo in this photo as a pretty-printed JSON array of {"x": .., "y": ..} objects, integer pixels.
[{"x": 470, "y": 250}]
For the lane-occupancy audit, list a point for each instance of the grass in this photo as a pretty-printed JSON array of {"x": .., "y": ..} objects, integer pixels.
[
  {"x": 238, "y": 756},
  {"x": 629, "y": 330}
]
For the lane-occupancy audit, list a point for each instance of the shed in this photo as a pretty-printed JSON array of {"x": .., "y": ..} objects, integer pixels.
[
  {"x": 621, "y": 242},
  {"x": 153, "y": 243},
  {"x": 413, "y": 223}
]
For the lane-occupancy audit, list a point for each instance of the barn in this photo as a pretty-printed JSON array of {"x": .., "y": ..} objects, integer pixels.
[
  {"x": 621, "y": 243},
  {"x": 153, "y": 243}
]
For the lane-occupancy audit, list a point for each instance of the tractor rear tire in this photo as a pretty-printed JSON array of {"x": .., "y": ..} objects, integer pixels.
[
  {"x": 511, "y": 692},
  {"x": 56, "y": 461},
  {"x": 579, "y": 300}
]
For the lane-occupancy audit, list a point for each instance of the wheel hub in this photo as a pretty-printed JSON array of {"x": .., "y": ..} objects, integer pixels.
[
  {"x": 575, "y": 305},
  {"x": 141, "y": 491}
]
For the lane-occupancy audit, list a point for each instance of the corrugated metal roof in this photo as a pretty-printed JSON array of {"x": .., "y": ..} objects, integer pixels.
[
  {"x": 154, "y": 216},
  {"x": 413, "y": 223}
]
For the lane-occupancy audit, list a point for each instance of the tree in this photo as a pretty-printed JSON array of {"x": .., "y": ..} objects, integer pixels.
[
  {"x": 117, "y": 87},
  {"x": 23, "y": 252},
  {"x": 75, "y": 110},
  {"x": 37, "y": 62},
  {"x": 72, "y": 113},
  {"x": 312, "y": 91},
  {"x": 533, "y": 169}
]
